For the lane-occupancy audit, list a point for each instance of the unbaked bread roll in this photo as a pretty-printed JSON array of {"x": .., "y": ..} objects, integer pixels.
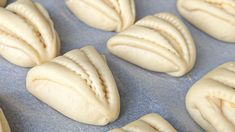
[
  {"x": 215, "y": 17},
  {"x": 109, "y": 15},
  {"x": 211, "y": 101},
  {"x": 27, "y": 34},
  {"x": 4, "y": 127},
  {"x": 3, "y": 2},
  {"x": 148, "y": 123},
  {"x": 160, "y": 43},
  {"x": 78, "y": 84}
]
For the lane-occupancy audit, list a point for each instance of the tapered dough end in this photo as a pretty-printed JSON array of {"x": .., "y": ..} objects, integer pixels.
[
  {"x": 148, "y": 123},
  {"x": 3, "y": 2},
  {"x": 4, "y": 126},
  {"x": 78, "y": 85}
]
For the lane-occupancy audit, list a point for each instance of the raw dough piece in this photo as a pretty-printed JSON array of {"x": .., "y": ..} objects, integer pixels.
[
  {"x": 109, "y": 15},
  {"x": 78, "y": 84},
  {"x": 211, "y": 101},
  {"x": 4, "y": 127},
  {"x": 148, "y": 123},
  {"x": 27, "y": 34},
  {"x": 3, "y": 2},
  {"x": 215, "y": 17},
  {"x": 160, "y": 43}
]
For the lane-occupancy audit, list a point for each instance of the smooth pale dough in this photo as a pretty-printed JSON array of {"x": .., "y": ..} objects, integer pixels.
[
  {"x": 27, "y": 34},
  {"x": 215, "y": 17},
  {"x": 3, "y": 2},
  {"x": 78, "y": 84},
  {"x": 211, "y": 101},
  {"x": 148, "y": 123},
  {"x": 160, "y": 43},
  {"x": 4, "y": 127},
  {"x": 109, "y": 15}
]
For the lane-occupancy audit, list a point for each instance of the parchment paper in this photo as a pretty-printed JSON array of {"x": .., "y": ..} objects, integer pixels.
[{"x": 141, "y": 91}]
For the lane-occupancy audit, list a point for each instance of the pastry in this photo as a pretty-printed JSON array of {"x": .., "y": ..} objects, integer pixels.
[
  {"x": 160, "y": 43},
  {"x": 78, "y": 84},
  {"x": 215, "y": 17},
  {"x": 2, "y": 2},
  {"x": 27, "y": 34},
  {"x": 148, "y": 123},
  {"x": 109, "y": 15},
  {"x": 4, "y": 127},
  {"x": 211, "y": 101}
]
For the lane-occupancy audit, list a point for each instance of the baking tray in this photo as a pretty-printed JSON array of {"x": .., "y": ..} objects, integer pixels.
[{"x": 141, "y": 91}]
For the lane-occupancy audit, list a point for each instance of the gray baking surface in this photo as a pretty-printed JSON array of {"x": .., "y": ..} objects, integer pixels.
[{"x": 141, "y": 91}]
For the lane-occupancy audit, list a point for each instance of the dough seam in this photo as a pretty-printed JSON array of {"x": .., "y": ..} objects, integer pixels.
[
  {"x": 98, "y": 9},
  {"x": 143, "y": 38},
  {"x": 88, "y": 80},
  {"x": 84, "y": 79},
  {"x": 149, "y": 124},
  {"x": 205, "y": 119},
  {"x": 211, "y": 13},
  {"x": 120, "y": 15},
  {"x": 222, "y": 82},
  {"x": 179, "y": 27},
  {"x": 35, "y": 31},
  {"x": 33, "y": 27},
  {"x": 219, "y": 5},
  {"x": 204, "y": 11},
  {"x": 13, "y": 35},
  {"x": 166, "y": 35},
  {"x": 40, "y": 79},
  {"x": 11, "y": 47},
  {"x": 142, "y": 47},
  {"x": 230, "y": 70}
]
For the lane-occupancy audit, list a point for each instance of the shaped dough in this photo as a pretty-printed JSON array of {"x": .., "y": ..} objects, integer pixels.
[
  {"x": 3, "y": 2},
  {"x": 27, "y": 34},
  {"x": 148, "y": 123},
  {"x": 4, "y": 127},
  {"x": 160, "y": 43},
  {"x": 215, "y": 17},
  {"x": 78, "y": 84},
  {"x": 211, "y": 101},
  {"x": 109, "y": 15}
]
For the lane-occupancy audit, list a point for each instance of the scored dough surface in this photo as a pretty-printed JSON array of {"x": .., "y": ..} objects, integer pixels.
[
  {"x": 160, "y": 43},
  {"x": 27, "y": 34},
  {"x": 109, "y": 15},
  {"x": 215, "y": 17},
  {"x": 211, "y": 101},
  {"x": 78, "y": 84}
]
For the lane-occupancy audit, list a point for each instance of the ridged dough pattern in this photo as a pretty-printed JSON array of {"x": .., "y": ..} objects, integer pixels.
[
  {"x": 160, "y": 43},
  {"x": 4, "y": 127},
  {"x": 148, "y": 123},
  {"x": 78, "y": 84},
  {"x": 109, "y": 15},
  {"x": 3, "y": 2},
  {"x": 215, "y": 17},
  {"x": 27, "y": 34},
  {"x": 211, "y": 101}
]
